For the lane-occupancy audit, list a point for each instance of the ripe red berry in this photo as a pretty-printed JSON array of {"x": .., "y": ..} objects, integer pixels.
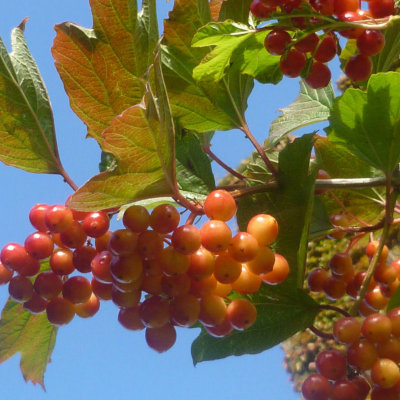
[
  {"x": 36, "y": 217},
  {"x": 260, "y": 10},
  {"x": 308, "y": 43},
  {"x": 331, "y": 364},
  {"x": 58, "y": 218},
  {"x": 161, "y": 339},
  {"x": 96, "y": 224},
  {"x": 276, "y": 42},
  {"x": 371, "y": 42},
  {"x": 164, "y": 218},
  {"x": 60, "y": 311},
  {"x": 319, "y": 76},
  {"x": 316, "y": 387},
  {"x": 39, "y": 245},
  {"x": 292, "y": 63},
  {"x": 381, "y": 8},
  {"x": 358, "y": 68},
  {"x": 220, "y": 205},
  {"x": 326, "y": 49}
]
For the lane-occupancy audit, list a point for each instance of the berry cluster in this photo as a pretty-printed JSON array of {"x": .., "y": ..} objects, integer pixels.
[
  {"x": 307, "y": 54},
  {"x": 160, "y": 275},
  {"x": 372, "y": 355},
  {"x": 341, "y": 278}
]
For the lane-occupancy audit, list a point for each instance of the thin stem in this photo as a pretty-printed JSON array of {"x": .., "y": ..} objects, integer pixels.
[
  {"x": 387, "y": 221},
  {"x": 334, "y": 308},
  {"x": 259, "y": 149},
  {"x": 184, "y": 202},
  {"x": 321, "y": 334},
  {"x": 343, "y": 207},
  {"x": 67, "y": 178},
  {"x": 354, "y": 183},
  {"x": 207, "y": 150}
]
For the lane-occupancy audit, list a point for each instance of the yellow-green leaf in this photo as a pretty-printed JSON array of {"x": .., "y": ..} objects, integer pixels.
[
  {"x": 27, "y": 138},
  {"x": 30, "y": 335}
]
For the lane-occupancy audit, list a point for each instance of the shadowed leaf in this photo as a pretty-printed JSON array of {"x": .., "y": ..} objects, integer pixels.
[{"x": 282, "y": 311}]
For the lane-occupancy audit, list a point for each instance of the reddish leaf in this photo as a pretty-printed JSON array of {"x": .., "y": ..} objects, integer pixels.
[
  {"x": 142, "y": 141},
  {"x": 102, "y": 68}
]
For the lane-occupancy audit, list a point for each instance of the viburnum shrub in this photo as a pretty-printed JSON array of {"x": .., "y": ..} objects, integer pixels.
[{"x": 156, "y": 235}]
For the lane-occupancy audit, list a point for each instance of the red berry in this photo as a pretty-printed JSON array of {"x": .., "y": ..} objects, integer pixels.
[
  {"x": 358, "y": 68},
  {"x": 292, "y": 63},
  {"x": 319, "y": 76},
  {"x": 220, "y": 205},
  {"x": 276, "y": 42},
  {"x": 371, "y": 42}
]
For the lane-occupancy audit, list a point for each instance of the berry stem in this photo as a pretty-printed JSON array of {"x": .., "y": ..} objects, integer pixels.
[
  {"x": 321, "y": 334},
  {"x": 245, "y": 129},
  {"x": 207, "y": 150},
  {"x": 334, "y": 308},
  {"x": 184, "y": 202},
  {"x": 387, "y": 221}
]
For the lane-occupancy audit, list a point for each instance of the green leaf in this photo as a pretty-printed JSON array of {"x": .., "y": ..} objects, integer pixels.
[
  {"x": 103, "y": 68},
  {"x": 394, "y": 301},
  {"x": 310, "y": 106},
  {"x": 142, "y": 142},
  {"x": 282, "y": 311},
  {"x": 198, "y": 106},
  {"x": 320, "y": 222},
  {"x": 354, "y": 123},
  {"x": 227, "y": 36},
  {"x": 257, "y": 62},
  {"x": 291, "y": 205},
  {"x": 27, "y": 137},
  {"x": 30, "y": 335},
  {"x": 235, "y": 44},
  {"x": 340, "y": 163},
  {"x": 237, "y": 10},
  {"x": 193, "y": 168}
]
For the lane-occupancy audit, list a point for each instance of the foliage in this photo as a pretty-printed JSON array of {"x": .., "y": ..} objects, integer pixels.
[{"x": 153, "y": 103}]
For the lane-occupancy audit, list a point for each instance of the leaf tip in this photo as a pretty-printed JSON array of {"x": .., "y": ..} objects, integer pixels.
[{"x": 22, "y": 24}]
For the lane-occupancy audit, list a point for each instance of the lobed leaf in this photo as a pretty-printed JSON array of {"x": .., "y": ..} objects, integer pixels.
[
  {"x": 103, "y": 68},
  {"x": 142, "y": 141},
  {"x": 201, "y": 107},
  {"x": 310, "y": 106},
  {"x": 354, "y": 124},
  {"x": 27, "y": 137}
]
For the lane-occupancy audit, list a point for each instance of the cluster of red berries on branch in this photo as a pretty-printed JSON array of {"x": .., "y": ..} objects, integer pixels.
[
  {"x": 308, "y": 45},
  {"x": 341, "y": 278},
  {"x": 370, "y": 361},
  {"x": 161, "y": 275}
]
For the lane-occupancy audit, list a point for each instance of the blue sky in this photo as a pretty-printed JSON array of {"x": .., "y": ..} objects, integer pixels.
[{"x": 97, "y": 358}]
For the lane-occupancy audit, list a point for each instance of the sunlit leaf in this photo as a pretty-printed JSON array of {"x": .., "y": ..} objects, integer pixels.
[
  {"x": 201, "y": 107},
  {"x": 354, "y": 123},
  {"x": 103, "y": 68},
  {"x": 142, "y": 141},
  {"x": 27, "y": 138},
  {"x": 311, "y": 106}
]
